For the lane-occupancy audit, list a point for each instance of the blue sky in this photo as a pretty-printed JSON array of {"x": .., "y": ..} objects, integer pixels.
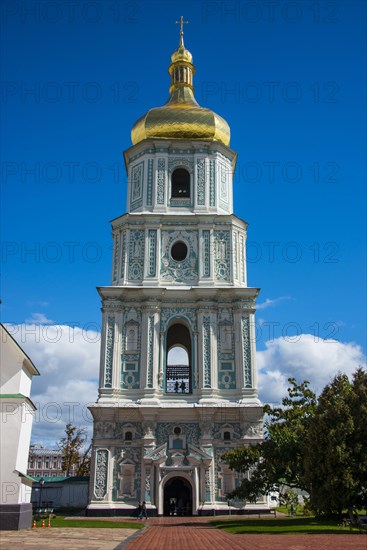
[{"x": 287, "y": 76}]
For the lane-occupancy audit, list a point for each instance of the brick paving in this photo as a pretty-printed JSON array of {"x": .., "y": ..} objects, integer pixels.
[{"x": 198, "y": 534}]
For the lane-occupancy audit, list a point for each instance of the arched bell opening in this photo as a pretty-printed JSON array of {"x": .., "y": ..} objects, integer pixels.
[
  {"x": 180, "y": 184},
  {"x": 178, "y": 360}
]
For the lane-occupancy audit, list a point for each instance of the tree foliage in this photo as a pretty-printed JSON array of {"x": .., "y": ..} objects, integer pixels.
[
  {"x": 318, "y": 445},
  {"x": 76, "y": 455},
  {"x": 336, "y": 454},
  {"x": 278, "y": 459}
]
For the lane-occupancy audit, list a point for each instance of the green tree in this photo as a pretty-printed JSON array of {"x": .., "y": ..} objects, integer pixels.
[
  {"x": 279, "y": 458},
  {"x": 319, "y": 446},
  {"x": 290, "y": 499},
  {"x": 76, "y": 454},
  {"x": 336, "y": 452}
]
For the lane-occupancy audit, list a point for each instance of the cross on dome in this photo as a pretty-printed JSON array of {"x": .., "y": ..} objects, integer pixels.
[{"x": 181, "y": 22}]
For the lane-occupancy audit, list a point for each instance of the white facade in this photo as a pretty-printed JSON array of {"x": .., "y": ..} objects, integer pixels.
[
  {"x": 178, "y": 381},
  {"x": 17, "y": 412},
  {"x": 45, "y": 462}
]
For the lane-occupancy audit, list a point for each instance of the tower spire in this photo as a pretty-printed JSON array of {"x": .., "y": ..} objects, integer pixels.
[{"x": 181, "y": 22}]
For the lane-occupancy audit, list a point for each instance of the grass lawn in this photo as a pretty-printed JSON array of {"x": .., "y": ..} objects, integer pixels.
[
  {"x": 60, "y": 521},
  {"x": 286, "y": 526}
]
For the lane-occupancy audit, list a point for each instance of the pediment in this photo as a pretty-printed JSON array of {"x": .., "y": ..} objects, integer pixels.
[{"x": 192, "y": 453}]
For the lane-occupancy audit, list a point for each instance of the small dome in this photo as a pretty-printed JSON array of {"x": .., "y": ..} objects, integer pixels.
[
  {"x": 181, "y": 117},
  {"x": 181, "y": 54}
]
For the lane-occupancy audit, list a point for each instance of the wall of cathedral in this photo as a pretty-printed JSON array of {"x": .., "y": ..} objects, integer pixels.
[
  {"x": 150, "y": 166},
  {"x": 135, "y": 457},
  {"x": 216, "y": 252},
  {"x": 135, "y": 347}
]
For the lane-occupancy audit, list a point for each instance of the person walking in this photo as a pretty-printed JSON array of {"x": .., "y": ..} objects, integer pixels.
[{"x": 143, "y": 511}]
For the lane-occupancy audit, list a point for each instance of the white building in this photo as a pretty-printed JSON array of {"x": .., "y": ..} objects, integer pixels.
[
  {"x": 178, "y": 382},
  {"x": 17, "y": 411},
  {"x": 44, "y": 462}
]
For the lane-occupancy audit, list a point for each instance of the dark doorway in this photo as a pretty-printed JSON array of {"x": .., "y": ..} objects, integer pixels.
[{"x": 177, "y": 497}]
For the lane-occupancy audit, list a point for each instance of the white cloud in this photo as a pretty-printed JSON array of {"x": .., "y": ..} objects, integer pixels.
[
  {"x": 68, "y": 360},
  {"x": 306, "y": 358},
  {"x": 271, "y": 303},
  {"x": 39, "y": 318}
]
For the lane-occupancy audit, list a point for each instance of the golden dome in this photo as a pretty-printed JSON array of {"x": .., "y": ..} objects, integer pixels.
[{"x": 181, "y": 117}]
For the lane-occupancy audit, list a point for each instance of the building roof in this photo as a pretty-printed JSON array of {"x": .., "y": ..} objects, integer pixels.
[
  {"x": 60, "y": 479},
  {"x": 28, "y": 363},
  {"x": 41, "y": 451}
]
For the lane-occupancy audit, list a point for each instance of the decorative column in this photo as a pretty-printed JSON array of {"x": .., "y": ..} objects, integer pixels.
[
  {"x": 101, "y": 474},
  {"x": 161, "y": 363}
]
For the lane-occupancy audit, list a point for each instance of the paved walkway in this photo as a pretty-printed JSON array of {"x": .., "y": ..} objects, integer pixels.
[
  {"x": 171, "y": 534},
  {"x": 198, "y": 534},
  {"x": 65, "y": 539}
]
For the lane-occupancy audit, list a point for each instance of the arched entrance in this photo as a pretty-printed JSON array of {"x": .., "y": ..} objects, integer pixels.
[{"x": 177, "y": 497}]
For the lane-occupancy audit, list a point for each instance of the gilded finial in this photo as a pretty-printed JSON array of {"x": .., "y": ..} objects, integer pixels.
[{"x": 181, "y": 22}]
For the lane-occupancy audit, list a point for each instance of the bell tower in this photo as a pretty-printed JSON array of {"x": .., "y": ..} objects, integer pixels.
[{"x": 178, "y": 382}]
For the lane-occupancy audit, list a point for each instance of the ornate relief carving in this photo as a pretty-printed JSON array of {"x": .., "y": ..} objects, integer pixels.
[
  {"x": 222, "y": 255},
  {"x": 147, "y": 484},
  {"x": 190, "y": 429},
  {"x": 208, "y": 485},
  {"x": 178, "y": 162},
  {"x": 253, "y": 429},
  {"x": 170, "y": 312},
  {"x": 235, "y": 260},
  {"x": 124, "y": 457},
  {"x": 130, "y": 349},
  {"x": 116, "y": 250},
  {"x": 211, "y": 183},
  {"x": 110, "y": 340},
  {"x": 100, "y": 481},
  {"x": 132, "y": 336},
  {"x": 123, "y": 252},
  {"x": 150, "y": 183},
  {"x": 136, "y": 255},
  {"x": 207, "y": 352},
  {"x": 103, "y": 429},
  {"x": 150, "y": 351},
  {"x": 223, "y": 182},
  {"x": 159, "y": 454},
  {"x": 185, "y": 271},
  {"x": 152, "y": 244},
  {"x": 148, "y": 428},
  {"x": 161, "y": 181},
  {"x": 137, "y": 185},
  {"x": 206, "y": 253},
  {"x": 219, "y": 427},
  {"x": 226, "y": 378},
  {"x": 200, "y": 181},
  {"x": 243, "y": 259},
  {"x": 120, "y": 426},
  {"x": 246, "y": 352},
  {"x": 219, "y": 451}
]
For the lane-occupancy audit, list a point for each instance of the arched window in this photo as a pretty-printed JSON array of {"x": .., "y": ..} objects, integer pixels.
[
  {"x": 128, "y": 436},
  {"x": 178, "y": 360},
  {"x": 180, "y": 184}
]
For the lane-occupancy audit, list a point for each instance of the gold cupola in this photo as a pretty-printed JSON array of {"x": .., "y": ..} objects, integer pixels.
[{"x": 181, "y": 117}]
